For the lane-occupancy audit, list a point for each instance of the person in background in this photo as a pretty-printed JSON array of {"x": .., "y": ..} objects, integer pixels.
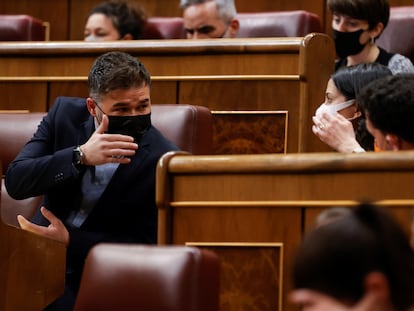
[
  {"x": 356, "y": 25},
  {"x": 115, "y": 20},
  {"x": 339, "y": 122},
  {"x": 94, "y": 160},
  {"x": 362, "y": 261},
  {"x": 209, "y": 18},
  {"x": 331, "y": 214},
  {"x": 388, "y": 104}
]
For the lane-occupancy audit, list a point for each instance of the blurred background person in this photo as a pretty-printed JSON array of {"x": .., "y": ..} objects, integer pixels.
[
  {"x": 331, "y": 214},
  {"x": 356, "y": 24},
  {"x": 115, "y": 20},
  {"x": 362, "y": 261},
  {"x": 209, "y": 18}
]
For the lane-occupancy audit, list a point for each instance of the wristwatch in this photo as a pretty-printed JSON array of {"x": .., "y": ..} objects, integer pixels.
[{"x": 77, "y": 157}]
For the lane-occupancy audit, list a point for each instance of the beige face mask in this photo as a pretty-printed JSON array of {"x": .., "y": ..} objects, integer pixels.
[{"x": 333, "y": 108}]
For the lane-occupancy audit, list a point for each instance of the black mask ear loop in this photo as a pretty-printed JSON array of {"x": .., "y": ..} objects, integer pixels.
[{"x": 96, "y": 105}]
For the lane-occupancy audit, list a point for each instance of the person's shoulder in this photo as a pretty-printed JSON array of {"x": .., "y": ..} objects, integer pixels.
[
  {"x": 400, "y": 64},
  {"x": 66, "y": 100},
  {"x": 68, "y": 107}
]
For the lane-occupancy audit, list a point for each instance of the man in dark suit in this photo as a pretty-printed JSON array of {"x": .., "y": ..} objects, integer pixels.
[{"x": 94, "y": 160}]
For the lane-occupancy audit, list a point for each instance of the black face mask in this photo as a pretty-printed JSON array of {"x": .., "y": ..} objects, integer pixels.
[
  {"x": 134, "y": 126},
  {"x": 347, "y": 43}
]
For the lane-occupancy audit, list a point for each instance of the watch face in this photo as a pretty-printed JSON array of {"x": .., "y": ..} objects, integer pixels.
[{"x": 77, "y": 156}]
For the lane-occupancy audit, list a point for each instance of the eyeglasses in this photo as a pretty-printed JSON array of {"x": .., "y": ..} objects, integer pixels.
[{"x": 204, "y": 30}]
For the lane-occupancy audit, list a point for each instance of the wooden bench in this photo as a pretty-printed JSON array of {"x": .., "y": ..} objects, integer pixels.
[
  {"x": 253, "y": 210},
  {"x": 261, "y": 74},
  {"x": 32, "y": 269}
]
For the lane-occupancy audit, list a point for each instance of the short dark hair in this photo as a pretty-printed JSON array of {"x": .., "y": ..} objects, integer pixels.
[
  {"x": 335, "y": 258},
  {"x": 116, "y": 70},
  {"x": 389, "y": 105},
  {"x": 372, "y": 11},
  {"x": 127, "y": 17}
]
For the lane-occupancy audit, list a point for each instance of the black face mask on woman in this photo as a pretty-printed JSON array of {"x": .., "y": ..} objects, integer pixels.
[
  {"x": 134, "y": 126},
  {"x": 347, "y": 43}
]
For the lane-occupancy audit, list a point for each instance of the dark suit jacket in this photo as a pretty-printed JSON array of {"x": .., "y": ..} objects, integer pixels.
[{"x": 125, "y": 213}]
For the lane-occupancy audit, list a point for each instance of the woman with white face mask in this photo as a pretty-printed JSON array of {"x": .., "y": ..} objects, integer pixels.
[
  {"x": 356, "y": 24},
  {"x": 338, "y": 121}
]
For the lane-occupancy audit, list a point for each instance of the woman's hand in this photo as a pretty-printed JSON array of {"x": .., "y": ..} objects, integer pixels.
[{"x": 335, "y": 131}]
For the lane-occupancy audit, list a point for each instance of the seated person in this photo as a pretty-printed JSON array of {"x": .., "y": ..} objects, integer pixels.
[
  {"x": 209, "y": 18},
  {"x": 331, "y": 214},
  {"x": 94, "y": 160},
  {"x": 115, "y": 20},
  {"x": 339, "y": 122},
  {"x": 362, "y": 261},
  {"x": 356, "y": 25},
  {"x": 388, "y": 104}
]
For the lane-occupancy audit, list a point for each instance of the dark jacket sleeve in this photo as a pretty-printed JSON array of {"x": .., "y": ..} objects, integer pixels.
[{"x": 40, "y": 165}]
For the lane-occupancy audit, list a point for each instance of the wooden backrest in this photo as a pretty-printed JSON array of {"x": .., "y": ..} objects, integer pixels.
[
  {"x": 267, "y": 75},
  {"x": 252, "y": 210}
]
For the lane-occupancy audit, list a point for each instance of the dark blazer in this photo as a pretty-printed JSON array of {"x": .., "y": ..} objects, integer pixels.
[{"x": 125, "y": 213}]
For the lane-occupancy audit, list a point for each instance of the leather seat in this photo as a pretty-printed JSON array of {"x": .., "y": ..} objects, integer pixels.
[
  {"x": 164, "y": 28},
  {"x": 278, "y": 24},
  {"x": 190, "y": 127},
  {"x": 16, "y": 129},
  {"x": 149, "y": 278},
  {"x": 398, "y": 36},
  {"x": 22, "y": 28}
]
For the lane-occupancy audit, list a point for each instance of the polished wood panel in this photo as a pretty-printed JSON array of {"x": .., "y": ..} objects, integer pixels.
[
  {"x": 244, "y": 132},
  {"x": 32, "y": 269},
  {"x": 224, "y": 74},
  {"x": 250, "y": 274},
  {"x": 272, "y": 199},
  {"x": 15, "y": 96}
]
